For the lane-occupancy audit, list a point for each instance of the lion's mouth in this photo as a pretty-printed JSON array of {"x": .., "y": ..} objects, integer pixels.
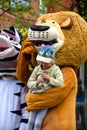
[{"x": 39, "y": 43}]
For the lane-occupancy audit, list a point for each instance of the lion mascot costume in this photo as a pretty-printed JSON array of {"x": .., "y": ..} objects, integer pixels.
[
  {"x": 12, "y": 91},
  {"x": 66, "y": 31}
]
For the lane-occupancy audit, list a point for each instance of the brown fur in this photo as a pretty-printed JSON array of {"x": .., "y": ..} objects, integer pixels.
[
  {"x": 61, "y": 101},
  {"x": 74, "y": 51}
]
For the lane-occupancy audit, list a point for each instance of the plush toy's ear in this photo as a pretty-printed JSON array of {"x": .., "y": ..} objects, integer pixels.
[
  {"x": 10, "y": 31},
  {"x": 13, "y": 33},
  {"x": 67, "y": 23}
]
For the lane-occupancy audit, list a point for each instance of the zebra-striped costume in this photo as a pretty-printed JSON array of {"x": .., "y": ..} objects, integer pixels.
[{"x": 13, "y": 115}]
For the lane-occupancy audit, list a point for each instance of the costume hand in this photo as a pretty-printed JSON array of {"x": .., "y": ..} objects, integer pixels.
[
  {"x": 46, "y": 77},
  {"x": 27, "y": 47}
]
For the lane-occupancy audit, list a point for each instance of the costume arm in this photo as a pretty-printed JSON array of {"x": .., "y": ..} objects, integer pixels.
[
  {"x": 55, "y": 95},
  {"x": 24, "y": 59},
  {"x": 24, "y": 113}
]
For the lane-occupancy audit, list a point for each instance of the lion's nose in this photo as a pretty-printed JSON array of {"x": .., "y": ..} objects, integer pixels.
[{"x": 39, "y": 28}]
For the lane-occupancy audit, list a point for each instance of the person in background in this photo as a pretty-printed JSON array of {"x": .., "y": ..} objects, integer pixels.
[
  {"x": 45, "y": 76},
  {"x": 80, "y": 112}
]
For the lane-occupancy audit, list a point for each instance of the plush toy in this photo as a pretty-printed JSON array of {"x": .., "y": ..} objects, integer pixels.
[
  {"x": 12, "y": 91},
  {"x": 67, "y": 32}
]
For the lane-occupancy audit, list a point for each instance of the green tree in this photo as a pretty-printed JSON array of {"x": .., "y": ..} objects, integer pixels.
[
  {"x": 19, "y": 8},
  {"x": 82, "y": 8}
]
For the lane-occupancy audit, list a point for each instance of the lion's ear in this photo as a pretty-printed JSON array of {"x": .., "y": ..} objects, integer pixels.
[{"x": 67, "y": 23}]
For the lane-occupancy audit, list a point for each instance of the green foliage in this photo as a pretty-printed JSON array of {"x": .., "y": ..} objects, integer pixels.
[
  {"x": 51, "y": 2},
  {"x": 82, "y": 8},
  {"x": 24, "y": 32},
  {"x": 18, "y": 9}
]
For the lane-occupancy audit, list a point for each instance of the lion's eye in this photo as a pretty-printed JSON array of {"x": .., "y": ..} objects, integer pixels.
[
  {"x": 43, "y": 21},
  {"x": 53, "y": 22}
]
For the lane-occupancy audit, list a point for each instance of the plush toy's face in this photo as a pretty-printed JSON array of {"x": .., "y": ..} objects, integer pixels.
[
  {"x": 9, "y": 49},
  {"x": 46, "y": 33}
]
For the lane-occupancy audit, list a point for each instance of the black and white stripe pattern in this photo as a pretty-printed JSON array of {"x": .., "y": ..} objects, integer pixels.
[{"x": 12, "y": 102}]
